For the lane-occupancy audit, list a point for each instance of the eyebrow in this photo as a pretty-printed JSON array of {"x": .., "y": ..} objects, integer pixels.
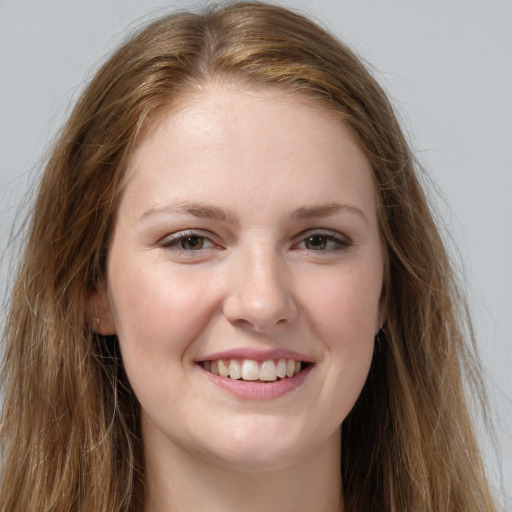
[
  {"x": 200, "y": 210},
  {"x": 207, "y": 211},
  {"x": 324, "y": 210}
]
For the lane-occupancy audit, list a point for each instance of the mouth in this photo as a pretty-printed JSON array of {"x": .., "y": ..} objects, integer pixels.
[{"x": 250, "y": 370}]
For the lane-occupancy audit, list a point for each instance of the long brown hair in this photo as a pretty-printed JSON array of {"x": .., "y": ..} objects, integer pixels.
[{"x": 70, "y": 435}]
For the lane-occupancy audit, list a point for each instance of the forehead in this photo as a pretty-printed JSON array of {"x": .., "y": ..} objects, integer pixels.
[
  {"x": 231, "y": 99},
  {"x": 233, "y": 142}
]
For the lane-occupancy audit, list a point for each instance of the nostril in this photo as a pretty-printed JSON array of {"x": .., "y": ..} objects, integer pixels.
[
  {"x": 259, "y": 294},
  {"x": 259, "y": 317}
]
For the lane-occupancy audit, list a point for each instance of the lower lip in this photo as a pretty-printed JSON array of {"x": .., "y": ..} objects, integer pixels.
[{"x": 259, "y": 390}]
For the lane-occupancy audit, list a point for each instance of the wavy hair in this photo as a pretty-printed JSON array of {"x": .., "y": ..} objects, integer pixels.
[{"x": 70, "y": 436}]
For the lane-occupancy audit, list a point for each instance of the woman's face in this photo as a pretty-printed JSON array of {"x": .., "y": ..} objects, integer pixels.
[{"x": 246, "y": 243}]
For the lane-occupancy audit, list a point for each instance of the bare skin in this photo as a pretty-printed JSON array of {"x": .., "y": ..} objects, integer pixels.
[{"x": 247, "y": 232}]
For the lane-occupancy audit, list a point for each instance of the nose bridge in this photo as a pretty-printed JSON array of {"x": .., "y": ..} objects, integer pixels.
[{"x": 260, "y": 289}]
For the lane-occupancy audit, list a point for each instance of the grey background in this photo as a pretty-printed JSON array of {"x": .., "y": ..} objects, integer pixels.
[{"x": 447, "y": 65}]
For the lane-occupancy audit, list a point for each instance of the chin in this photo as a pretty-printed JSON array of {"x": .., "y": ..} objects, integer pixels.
[
  {"x": 264, "y": 445},
  {"x": 249, "y": 460}
]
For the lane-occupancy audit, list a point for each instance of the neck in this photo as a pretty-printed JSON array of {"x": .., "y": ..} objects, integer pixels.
[{"x": 179, "y": 480}]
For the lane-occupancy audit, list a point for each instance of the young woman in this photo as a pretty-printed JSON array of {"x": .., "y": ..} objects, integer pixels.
[{"x": 233, "y": 294}]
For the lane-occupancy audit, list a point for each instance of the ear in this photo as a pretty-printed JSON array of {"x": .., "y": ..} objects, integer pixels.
[{"x": 99, "y": 313}]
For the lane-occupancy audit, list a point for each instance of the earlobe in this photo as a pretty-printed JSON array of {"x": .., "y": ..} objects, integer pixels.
[{"x": 100, "y": 314}]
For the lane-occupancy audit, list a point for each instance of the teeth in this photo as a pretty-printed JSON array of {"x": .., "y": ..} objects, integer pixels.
[
  {"x": 248, "y": 369},
  {"x": 268, "y": 371},
  {"x": 223, "y": 368},
  {"x": 235, "y": 371},
  {"x": 281, "y": 368},
  {"x": 290, "y": 368}
]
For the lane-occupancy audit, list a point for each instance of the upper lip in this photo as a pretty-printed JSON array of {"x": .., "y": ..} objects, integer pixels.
[{"x": 256, "y": 355}]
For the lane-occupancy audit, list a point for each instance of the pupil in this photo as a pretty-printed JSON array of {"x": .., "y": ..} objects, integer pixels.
[
  {"x": 316, "y": 242},
  {"x": 192, "y": 242}
]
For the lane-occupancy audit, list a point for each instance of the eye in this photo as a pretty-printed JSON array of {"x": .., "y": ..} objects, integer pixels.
[
  {"x": 191, "y": 243},
  {"x": 323, "y": 241},
  {"x": 187, "y": 242},
  {"x": 317, "y": 242}
]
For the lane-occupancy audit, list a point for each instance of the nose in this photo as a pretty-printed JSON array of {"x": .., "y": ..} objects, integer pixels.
[{"x": 260, "y": 292}]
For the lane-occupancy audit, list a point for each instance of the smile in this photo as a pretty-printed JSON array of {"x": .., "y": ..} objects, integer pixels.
[{"x": 269, "y": 370}]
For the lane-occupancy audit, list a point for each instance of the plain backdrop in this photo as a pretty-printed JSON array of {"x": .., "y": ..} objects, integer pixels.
[{"x": 446, "y": 64}]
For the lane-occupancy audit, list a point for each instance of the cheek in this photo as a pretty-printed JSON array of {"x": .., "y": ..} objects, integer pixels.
[
  {"x": 157, "y": 311},
  {"x": 344, "y": 312},
  {"x": 158, "y": 314},
  {"x": 345, "y": 306}
]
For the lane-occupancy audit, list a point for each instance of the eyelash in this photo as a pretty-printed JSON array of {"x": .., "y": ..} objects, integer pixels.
[
  {"x": 172, "y": 242},
  {"x": 341, "y": 243}
]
